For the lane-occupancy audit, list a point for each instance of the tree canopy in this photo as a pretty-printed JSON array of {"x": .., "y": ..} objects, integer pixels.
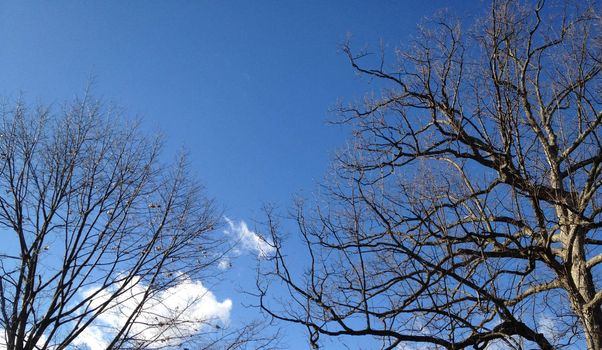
[
  {"x": 466, "y": 211},
  {"x": 104, "y": 241}
]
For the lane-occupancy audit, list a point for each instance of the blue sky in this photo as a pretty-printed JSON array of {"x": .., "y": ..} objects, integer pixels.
[{"x": 244, "y": 86}]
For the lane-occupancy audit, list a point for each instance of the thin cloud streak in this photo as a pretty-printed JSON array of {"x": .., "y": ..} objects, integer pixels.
[{"x": 249, "y": 240}]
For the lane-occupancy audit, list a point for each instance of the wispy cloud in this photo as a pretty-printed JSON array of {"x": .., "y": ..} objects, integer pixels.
[
  {"x": 549, "y": 327},
  {"x": 249, "y": 240},
  {"x": 224, "y": 264}
]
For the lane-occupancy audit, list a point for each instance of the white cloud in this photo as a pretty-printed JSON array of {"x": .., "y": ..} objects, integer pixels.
[
  {"x": 177, "y": 312},
  {"x": 93, "y": 337},
  {"x": 224, "y": 264},
  {"x": 547, "y": 325},
  {"x": 248, "y": 239},
  {"x": 188, "y": 304}
]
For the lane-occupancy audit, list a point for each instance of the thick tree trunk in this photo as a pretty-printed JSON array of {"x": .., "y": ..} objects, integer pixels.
[
  {"x": 584, "y": 292},
  {"x": 592, "y": 324}
]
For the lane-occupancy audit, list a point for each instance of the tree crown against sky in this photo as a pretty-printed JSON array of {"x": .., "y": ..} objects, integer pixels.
[
  {"x": 105, "y": 244},
  {"x": 466, "y": 211},
  {"x": 246, "y": 86}
]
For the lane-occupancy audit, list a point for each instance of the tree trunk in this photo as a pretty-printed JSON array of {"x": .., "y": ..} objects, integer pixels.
[
  {"x": 592, "y": 324},
  {"x": 584, "y": 291}
]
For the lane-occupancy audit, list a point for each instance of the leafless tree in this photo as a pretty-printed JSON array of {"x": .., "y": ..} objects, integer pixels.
[
  {"x": 97, "y": 230},
  {"x": 467, "y": 210}
]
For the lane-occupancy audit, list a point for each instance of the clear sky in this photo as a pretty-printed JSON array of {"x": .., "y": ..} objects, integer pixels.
[{"x": 244, "y": 86}]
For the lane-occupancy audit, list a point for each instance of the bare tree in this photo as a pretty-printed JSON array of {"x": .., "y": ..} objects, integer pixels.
[
  {"x": 467, "y": 210},
  {"x": 97, "y": 231}
]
